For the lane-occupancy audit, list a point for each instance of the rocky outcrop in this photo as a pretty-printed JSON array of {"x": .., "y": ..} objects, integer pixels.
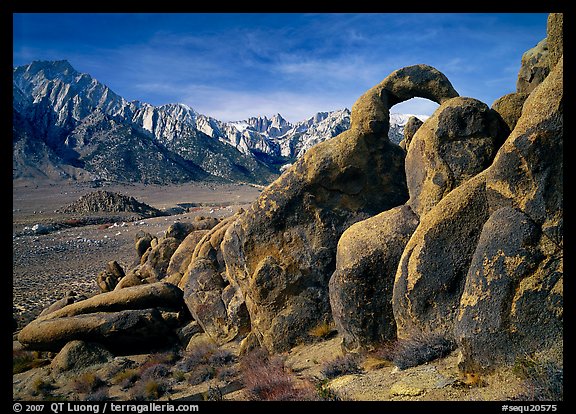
[
  {"x": 69, "y": 298},
  {"x": 76, "y": 356},
  {"x": 109, "y": 278},
  {"x": 458, "y": 238},
  {"x": 457, "y": 142},
  {"x": 514, "y": 290},
  {"x": 182, "y": 256},
  {"x": 510, "y": 107},
  {"x": 366, "y": 261},
  {"x": 433, "y": 267},
  {"x": 409, "y": 130},
  {"x": 129, "y": 317},
  {"x": 555, "y": 38},
  {"x": 534, "y": 69},
  {"x": 108, "y": 201},
  {"x": 214, "y": 300},
  {"x": 282, "y": 251}
]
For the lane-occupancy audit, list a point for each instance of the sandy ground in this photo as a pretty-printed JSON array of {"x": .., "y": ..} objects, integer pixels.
[{"x": 47, "y": 266}]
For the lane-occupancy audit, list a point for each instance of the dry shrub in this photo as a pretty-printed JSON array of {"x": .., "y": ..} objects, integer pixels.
[
  {"x": 200, "y": 353},
  {"x": 25, "y": 360},
  {"x": 87, "y": 382},
  {"x": 148, "y": 389},
  {"x": 126, "y": 378},
  {"x": 324, "y": 330},
  {"x": 267, "y": 379},
  {"x": 417, "y": 349},
  {"x": 342, "y": 365},
  {"x": 42, "y": 386},
  {"x": 542, "y": 380}
]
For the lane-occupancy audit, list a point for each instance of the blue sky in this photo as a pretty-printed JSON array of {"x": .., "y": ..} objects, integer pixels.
[{"x": 235, "y": 65}]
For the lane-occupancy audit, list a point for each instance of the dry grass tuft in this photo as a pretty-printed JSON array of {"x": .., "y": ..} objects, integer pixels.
[{"x": 324, "y": 330}]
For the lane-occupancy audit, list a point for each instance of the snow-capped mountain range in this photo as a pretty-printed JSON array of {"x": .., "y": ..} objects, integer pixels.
[{"x": 69, "y": 125}]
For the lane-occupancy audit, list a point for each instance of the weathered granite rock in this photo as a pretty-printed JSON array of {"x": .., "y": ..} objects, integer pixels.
[
  {"x": 409, "y": 130},
  {"x": 123, "y": 331},
  {"x": 535, "y": 66},
  {"x": 181, "y": 229},
  {"x": 510, "y": 107},
  {"x": 69, "y": 298},
  {"x": 214, "y": 300},
  {"x": 361, "y": 287},
  {"x": 182, "y": 256},
  {"x": 77, "y": 356},
  {"x": 505, "y": 254},
  {"x": 555, "y": 38},
  {"x": 142, "y": 242},
  {"x": 109, "y": 278},
  {"x": 458, "y": 141},
  {"x": 518, "y": 265},
  {"x": 282, "y": 251},
  {"x": 120, "y": 317},
  {"x": 432, "y": 271},
  {"x": 153, "y": 266},
  {"x": 157, "y": 261}
]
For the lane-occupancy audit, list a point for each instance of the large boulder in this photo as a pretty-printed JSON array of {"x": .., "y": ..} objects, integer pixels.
[
  {"x": 110, "y": 277},
  {"x": 366, "y": 261},
  {"x": 77, "y": 356},
  {"x": 509, "y": 107},
  {"x": 282, "y": 251},
  {"x": 154, "y": 268},
  {"x": 506, "y": 253},
  {"x": 214, "y": 300},
  {"x": 513, "y": 299},
  {"x": 182, "y": 256},
  {"x": 535, "y": 66},
  {"x": 180, "y": 229},
  {"x": 122, "y": 331},
  {"x": 410, "y": 129},
  {"x": 458, "y": 141},
  {"x": 69, "y": 298},
  {"x": 130, "y": 316},
  {"x": 555, "y": 38},
  {"x": 432, "y": 271},
  {"x": 153, "y": 264}
]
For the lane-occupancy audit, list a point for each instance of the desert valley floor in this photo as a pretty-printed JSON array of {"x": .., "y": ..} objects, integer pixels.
[{"x": 46, "y": 266}]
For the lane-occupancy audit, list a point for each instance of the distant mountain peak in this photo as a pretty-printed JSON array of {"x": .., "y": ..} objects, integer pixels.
[{"x": 58, "y": 104}]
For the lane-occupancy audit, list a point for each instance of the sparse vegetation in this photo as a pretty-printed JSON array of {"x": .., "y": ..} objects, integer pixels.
[
  {"x": 87, "y": 382},
  {"x": 415, "y": 350},
  {"x": 42, "y": 386},
  {"x": 25, "y": 360},
  {"x": 148, "y": 389},
  {"x": 214, "y": 394},
  {"x": 342, "y": 365},
  {"x": 101, "y": 394},
  {"x": 126, "y": 378},
  {"x": 324, "y": 330},
  {"x": 325, "y": 393},
  {"x": 267, "y": 379},
  {"x": 543, "y": 380}
]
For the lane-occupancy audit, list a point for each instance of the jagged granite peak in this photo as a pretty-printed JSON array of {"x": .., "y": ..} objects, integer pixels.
[{"x": 58, "y": 105}]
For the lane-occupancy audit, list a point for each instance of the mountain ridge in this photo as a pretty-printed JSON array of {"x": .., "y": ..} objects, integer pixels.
[{"x": 74, "y": 120}]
